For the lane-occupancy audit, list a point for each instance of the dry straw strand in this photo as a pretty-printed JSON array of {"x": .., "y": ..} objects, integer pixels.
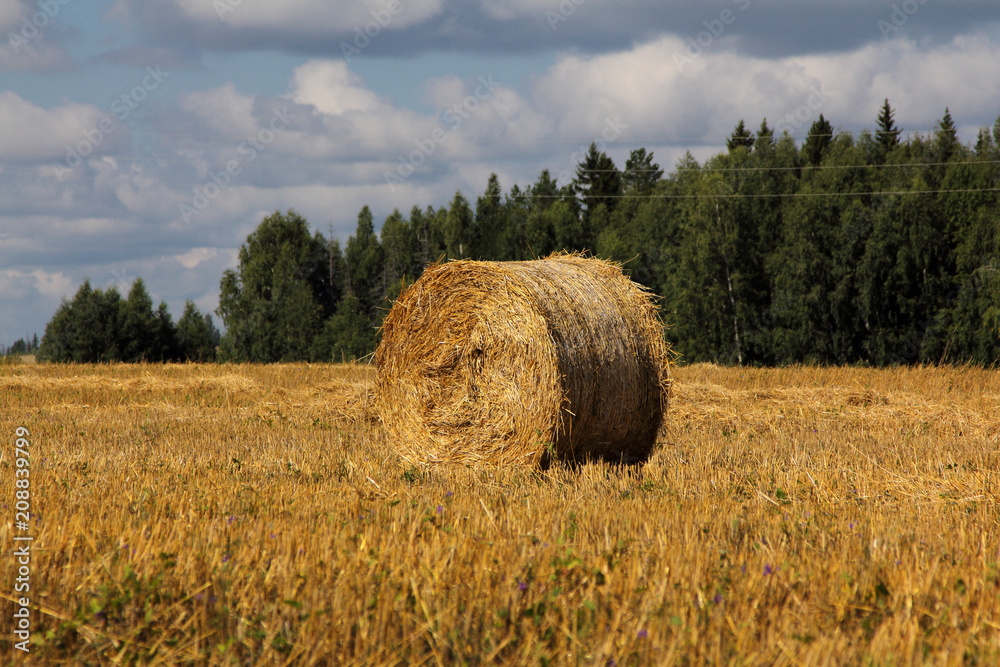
[{"x": 520, "y": 362}]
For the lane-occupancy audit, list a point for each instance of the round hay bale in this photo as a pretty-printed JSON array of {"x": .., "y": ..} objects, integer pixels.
[{"x": 520, "y": 362}]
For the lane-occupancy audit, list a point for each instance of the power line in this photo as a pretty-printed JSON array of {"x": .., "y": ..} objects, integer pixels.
[{"x": 738, "y": 195}]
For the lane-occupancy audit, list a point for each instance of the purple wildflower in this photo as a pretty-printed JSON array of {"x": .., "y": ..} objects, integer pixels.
[
  {"x": 768, "y": 569},
  {"x": 718, "y": 598},
  {"x": 643, "y": 633},
  {"x": 522, "y": 585},
  {"x": 440, "y": 509}
]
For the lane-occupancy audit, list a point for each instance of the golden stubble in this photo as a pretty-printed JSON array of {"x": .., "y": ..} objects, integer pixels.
[{"x": 257, "y": 514}]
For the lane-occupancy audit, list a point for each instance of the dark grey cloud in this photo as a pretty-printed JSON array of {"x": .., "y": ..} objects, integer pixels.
[{"x": 758, "y": 27}]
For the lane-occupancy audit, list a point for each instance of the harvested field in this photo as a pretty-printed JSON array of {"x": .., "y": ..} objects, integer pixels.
[{"x": 255, "y": 514}]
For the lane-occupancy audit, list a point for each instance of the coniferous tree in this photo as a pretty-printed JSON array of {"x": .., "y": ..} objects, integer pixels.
[
  {"x": 820, "y": 137},
  {"x": 740, "y": 138},
  {"x": 516, "y": 208},
  {"x": 490, "y": 223},
  {"x": 765, "y": 137},
  {"x": 197, "y": 337},
  {"x": 888, "y": 133},
  {"x": 86, "y": 329},
  {"x": 138, "y": 336},
  {"x": 945, "y": 138},
  {"x": 397, "y": 245},
  {"x": 544, "y": 192},
  {"x": 165, "y": 346},
  {"x": 364, "y": 258},
  {"x": 458, "y": 228},
  {"x": 641, "y": 173},
  {"x": 598, "y": 183}
]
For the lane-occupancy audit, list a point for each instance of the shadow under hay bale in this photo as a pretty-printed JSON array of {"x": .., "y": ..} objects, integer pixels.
[{"x": 522, "y": 362}]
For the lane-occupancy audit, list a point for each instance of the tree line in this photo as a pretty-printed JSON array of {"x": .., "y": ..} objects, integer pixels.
[
  {"x": 869, "y": 249},
  {"x": 100, "y": 326}
]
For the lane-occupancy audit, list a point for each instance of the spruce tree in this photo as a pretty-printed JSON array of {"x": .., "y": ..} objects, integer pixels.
[
  {"x": 364, "y": 258},
  {"x": 641, "y": 173},
  {"x": 490, "y": 223},
  {"x": 741, "y": 137},
  {"x": 598, "y": 182},
  {"x": 888, "y": 133},
  {"x": 197, "y": 336},
  {"x": 544, "y": 192},
  {"x": 820, "y": 137},
  {"x": 458, "y": 228},
  {"x": 765, "y": 137},
  {"x": 138, "y": 335},
  {"x": 945, "y": 138}
]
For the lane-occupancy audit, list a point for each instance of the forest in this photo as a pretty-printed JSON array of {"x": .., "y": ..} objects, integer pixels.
[{"x": 876, "y": 248}]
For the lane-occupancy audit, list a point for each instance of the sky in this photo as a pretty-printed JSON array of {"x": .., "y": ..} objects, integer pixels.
[{"x": 148, "y": 138}]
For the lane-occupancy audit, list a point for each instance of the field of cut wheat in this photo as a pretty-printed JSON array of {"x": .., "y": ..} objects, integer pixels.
[{"x": 258, "y": 515}]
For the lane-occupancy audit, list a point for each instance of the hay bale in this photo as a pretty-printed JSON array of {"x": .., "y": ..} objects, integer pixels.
[{"x": 517, "y": 362}]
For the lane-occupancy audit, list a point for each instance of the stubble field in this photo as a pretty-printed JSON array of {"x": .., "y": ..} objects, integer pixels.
[{"x": 255, "y": 515}]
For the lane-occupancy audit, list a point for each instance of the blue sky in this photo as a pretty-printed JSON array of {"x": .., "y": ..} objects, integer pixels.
[{"x": 147, "y": 138}]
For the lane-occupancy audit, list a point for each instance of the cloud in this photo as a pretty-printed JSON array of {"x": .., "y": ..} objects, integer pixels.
[
  {"x": 20, "y": 284},
  {"x": 769, "y": 29},
  {"x": 687, "y": 99},
  {"x": 32, "y": 37},
  {"x": 332, "y": 88},
  {"x": 30, "y": 133},
  {"x": 196, "y": 256}
]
